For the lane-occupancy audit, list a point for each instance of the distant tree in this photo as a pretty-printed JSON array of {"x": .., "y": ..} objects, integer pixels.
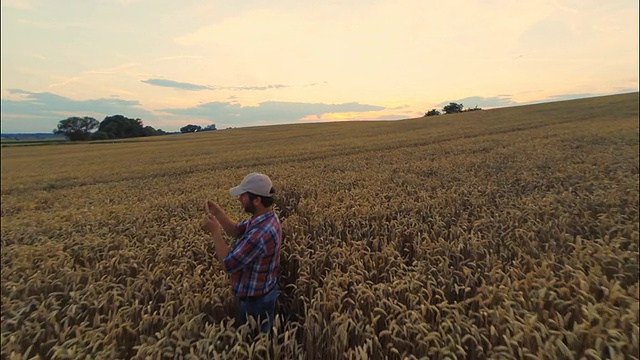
[
  {"x": 119, "y": 126},
  {"x": 149, "y": 131},
  {"x": 432, "y": 112},
  {"x": 76, "y": 128},
  {"x": 190, "y": 128},
  {"x": 100, "y": 135},
  {"x": 472, "y": 109},
  {"x": 452, "y": 108},
  {"x": 209, "y": 127}
]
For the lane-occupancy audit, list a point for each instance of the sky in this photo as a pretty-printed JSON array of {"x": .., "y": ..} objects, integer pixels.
[{"x": 262, "y": 62}]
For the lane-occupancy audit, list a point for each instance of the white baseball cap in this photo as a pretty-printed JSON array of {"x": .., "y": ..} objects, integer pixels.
[{"x": 255, "y": 183}]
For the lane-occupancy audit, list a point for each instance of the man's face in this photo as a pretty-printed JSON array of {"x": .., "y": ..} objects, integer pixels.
[{"x": 247, "y": 204}]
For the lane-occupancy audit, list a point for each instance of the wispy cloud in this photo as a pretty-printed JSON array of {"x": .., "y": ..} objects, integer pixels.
[
  {"x": 65, "y": 82},
  {"x": 565, "y": 8},
  {"x": 317, "y": 83},
  {"x": 175, "y": 84},
  {"x": 112, "y": 70},
  {"x": 241, "y": 88},
  {"x": 189, "y": 86},
  {"x": 267, "y": 111},
  {"x": 177, "y": 57}
]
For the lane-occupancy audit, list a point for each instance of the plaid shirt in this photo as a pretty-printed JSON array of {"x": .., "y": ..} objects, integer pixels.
[{"x": 253, "y": 262}]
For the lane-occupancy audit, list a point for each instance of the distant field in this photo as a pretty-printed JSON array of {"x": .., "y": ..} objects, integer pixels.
[
  {"x": 506, "y": 233},
  {"x": 24, "y": 142}
]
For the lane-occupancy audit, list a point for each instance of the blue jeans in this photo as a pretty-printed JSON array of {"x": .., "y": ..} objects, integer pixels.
[{"x": 263, "y": 308}]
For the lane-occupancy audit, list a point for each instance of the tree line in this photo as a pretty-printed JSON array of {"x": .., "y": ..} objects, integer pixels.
[
  {"x": 121, "y": 127},
  {"x": 113, "y": 127},
  {"x": 195, "y": 128},
  {"x": 452, "y": 108}
]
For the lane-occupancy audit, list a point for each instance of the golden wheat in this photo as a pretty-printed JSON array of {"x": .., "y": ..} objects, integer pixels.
[{"x": 509, "y": 233}]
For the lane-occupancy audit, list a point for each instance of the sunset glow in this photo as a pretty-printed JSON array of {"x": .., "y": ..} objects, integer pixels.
[{"x": 242, "y": 64}]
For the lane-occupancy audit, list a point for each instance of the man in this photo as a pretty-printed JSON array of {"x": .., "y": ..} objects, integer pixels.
[{"x": 253, "y": 262}]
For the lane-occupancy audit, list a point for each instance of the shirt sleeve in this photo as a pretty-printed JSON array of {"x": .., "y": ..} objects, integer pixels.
[
  {"x": 241, "y": 227},
  {"x": 248, "y": 249}
]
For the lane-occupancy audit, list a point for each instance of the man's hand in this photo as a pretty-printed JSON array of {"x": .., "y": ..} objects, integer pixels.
[
  {"x": 211, "y": 207},
  {"x": 210, "y": 223},
  {"x": 222, "y": 220}
]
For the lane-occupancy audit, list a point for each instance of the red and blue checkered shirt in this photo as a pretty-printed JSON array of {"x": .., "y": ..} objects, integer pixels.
[{"x": 253, "y": 262}]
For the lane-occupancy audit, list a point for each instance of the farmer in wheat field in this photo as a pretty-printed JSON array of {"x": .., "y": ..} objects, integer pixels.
[{"x": 253, "y": 262}]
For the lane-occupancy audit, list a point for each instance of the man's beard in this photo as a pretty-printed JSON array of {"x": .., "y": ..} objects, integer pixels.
[{"x": 250, "y": 208}]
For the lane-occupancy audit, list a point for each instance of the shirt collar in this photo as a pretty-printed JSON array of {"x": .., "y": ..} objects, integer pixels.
[{"x": 257, "y": 219}]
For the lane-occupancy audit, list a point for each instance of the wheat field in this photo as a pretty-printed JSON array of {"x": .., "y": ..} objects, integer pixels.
[{"x": 508, "y": 233}]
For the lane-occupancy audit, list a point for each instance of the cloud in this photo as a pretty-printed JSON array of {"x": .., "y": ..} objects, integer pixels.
[
  {"x": 505, "y": 100},
  {"x": 189, "y": 86},
  {"x": 177, "y": 57},
  {"x": 112, "y": 70},
  {"x": 175, "y": 84},
  {"x": 267, "y": 111},
  {"x": 39, "y": 111},
  {"x": 565, "y": 8},
  {"x": 65, "y": 82},
  {"x": 480, "y": 101},
  {"x": 267, "y": 87},
  {"x": 570, "y": 97},
  {"x": 555, "y": 27},
  {"x": 48, "y": 103},
  {"x": 563, "y": 97},
  {"x": 392, "y": 117}
]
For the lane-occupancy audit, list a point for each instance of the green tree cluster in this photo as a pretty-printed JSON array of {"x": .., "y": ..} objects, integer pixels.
[
  {"x": 452, "y": 108},
  {"x": 190, "y": 128},
  {"x": 112, "y": 127},
  {"x": 76, "y": 128},
  {"x": 196, "y": 128}
]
